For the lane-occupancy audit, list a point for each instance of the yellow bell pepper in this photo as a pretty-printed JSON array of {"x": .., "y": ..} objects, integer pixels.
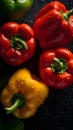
[{"x": 23, "y": 94}]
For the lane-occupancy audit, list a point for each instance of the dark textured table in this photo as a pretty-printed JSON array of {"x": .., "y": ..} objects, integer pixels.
[{"x": 57, "y": 111}]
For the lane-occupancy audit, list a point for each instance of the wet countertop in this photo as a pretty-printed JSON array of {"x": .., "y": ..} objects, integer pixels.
[{"x": 57, "y": 111}]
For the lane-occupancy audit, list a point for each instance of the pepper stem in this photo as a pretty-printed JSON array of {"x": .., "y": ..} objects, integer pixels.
[
  {"x": 13, "y": 107},
  {"x": 67, "y": 15},
  {"x": 17, "y": 101},
  {"x": 59, "y": 65},
  {"x": 17, "y": 42}
]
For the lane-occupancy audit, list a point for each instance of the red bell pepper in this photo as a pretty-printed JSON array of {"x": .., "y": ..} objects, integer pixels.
[
  {"x": 53, "y": 25},
  {"x": 56, "y": 67},
  {"x": 17, "y": 43}
]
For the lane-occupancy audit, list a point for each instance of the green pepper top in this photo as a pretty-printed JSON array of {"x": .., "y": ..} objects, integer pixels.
[
  {"x": 11, "y": 124},
  {"x": 14, "y": 9}
]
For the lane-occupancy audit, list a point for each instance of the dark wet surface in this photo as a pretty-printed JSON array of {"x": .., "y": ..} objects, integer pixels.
[{"x": 57, "y": 111}]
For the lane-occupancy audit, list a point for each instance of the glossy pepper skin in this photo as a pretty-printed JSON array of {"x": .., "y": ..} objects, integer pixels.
[
  {"x": 14, "y": 9},
  {"x": 23, "y": 94},
  {"x": 53, "y": 25},
  {"x": 56, "y": 67},
  {"x": 17, "y": 43}
]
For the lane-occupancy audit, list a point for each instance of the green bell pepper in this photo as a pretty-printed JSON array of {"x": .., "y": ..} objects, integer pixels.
[
  {"x": 14, "y": 9},
  {"x": 11, "y": 124}
]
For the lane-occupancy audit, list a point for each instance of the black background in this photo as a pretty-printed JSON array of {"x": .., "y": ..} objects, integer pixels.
[{"x": 57, "y": 111}]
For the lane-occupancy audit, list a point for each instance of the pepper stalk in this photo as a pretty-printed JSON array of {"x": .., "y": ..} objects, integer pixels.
[
  {"x": 67, "y": 15},
  {"x": 59, "y": 65},
  {"x": 17, "y": 42},
  {"x": 18, "y": 101}
]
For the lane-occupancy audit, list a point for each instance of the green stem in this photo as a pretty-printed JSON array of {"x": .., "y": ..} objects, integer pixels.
[
  {"x": 18, "y": 101},
  {"x": 17, "y": 42},
  {"x": 22, "y": 42},
  {"x": 67, "y": 15},
  {"x": 59, "y": 65},
  {"x": 13, "y": 107}
]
